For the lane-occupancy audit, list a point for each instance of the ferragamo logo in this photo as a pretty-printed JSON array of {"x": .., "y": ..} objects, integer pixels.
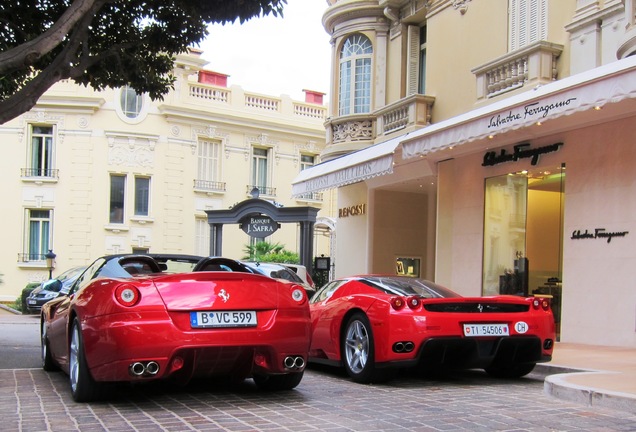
[{"x": 597, "y": 233}]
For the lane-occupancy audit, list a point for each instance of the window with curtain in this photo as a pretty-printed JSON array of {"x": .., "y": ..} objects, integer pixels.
[
  {"x": 142, "y": 196},
  {"x": 41, "y": 151},
  {"x": 131, "y": 102},
  {"x": 260, "y": 165},
  {"x": 354, "y": 86},
  {"x": 117, "y": 196},
  {"x": 39, "y": 233},
  {"x": 209, "y": 161},
  {"x": 528, "y": 22}
]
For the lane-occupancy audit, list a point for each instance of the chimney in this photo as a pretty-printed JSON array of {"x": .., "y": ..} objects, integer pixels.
[
  {"x": 313, "y": 97},
  {"x": 213, "y": 78}
]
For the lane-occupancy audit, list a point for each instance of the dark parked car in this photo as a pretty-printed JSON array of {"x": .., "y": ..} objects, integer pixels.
[{"x": 50, "y": 289}]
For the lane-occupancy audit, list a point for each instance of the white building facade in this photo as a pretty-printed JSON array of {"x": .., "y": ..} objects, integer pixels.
[
  {"x": 490, "y": 144},
  {"x": 88, "y": 173}
]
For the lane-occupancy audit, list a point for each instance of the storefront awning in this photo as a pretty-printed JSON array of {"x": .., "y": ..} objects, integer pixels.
[
  {"x": 355, "y": 167},
  {"x": 586, "y": 91}
]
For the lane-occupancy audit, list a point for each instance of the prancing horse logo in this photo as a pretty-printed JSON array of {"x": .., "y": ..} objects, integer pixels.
[
  {"x": 224, "y": 295},
  {"x": 480, "y": 308}
]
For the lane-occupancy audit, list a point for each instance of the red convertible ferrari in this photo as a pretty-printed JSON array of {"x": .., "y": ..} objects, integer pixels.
[
  {"x": 372, "y": 325},
  {"x": 135, "y": 318}
]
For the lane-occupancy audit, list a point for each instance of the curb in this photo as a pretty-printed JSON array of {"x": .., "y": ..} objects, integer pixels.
[
  {"x": 11, "y": 310},
  {"x": 555, "y": 384}
]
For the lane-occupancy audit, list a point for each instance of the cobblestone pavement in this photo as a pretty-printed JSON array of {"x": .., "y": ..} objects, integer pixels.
[{"x": 33, "y": 400}]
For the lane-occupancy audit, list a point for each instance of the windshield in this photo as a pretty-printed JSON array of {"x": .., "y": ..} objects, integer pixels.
[{"x": 407, "y": 286}]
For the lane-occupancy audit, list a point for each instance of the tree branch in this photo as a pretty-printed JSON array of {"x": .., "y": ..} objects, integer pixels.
[{"x": 28, "y": 53}]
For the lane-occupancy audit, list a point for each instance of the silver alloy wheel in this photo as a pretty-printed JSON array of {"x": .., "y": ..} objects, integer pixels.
[
  {"x": 73, "y": 358},
  {"x": 357, "y": 346}
]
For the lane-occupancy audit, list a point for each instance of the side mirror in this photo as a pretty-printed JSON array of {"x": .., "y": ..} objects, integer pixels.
[{"x": 52, "y": 285}]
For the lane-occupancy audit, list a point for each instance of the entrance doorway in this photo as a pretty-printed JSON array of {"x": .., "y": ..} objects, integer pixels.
[{"x": 523, "y": 235}]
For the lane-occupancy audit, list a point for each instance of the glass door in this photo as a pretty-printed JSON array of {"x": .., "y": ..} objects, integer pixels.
[
  {"x": 523, "y": 235},
  {"x": 505, "y": 235}
]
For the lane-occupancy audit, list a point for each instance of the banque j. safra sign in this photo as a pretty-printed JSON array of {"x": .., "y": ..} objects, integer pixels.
[{"x": 259, "y": 226}]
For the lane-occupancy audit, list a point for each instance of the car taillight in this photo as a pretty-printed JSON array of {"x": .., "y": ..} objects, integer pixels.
[
  {"x": 127, "y": 295},
  {"x": 541, "y": 303},
  {"x": 397, "y": 303},
  {"x": 298, "y": 294},
  {"x": 413, "y": 302}
]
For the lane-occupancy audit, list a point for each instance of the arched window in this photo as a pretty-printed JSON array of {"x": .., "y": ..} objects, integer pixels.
[
  {"x": 355, "y": 76},
  {"x": 131, "y": 102}
]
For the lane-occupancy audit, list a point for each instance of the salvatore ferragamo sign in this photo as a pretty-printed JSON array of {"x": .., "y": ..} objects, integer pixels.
[
  {"x": 598, "y": 233},
  {"x": 520, "y": 151}
]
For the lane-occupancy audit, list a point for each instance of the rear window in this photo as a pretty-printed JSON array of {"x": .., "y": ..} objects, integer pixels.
[{"x": 407, "y": 286}]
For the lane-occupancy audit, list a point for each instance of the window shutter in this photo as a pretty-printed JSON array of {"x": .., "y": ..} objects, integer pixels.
[
  {"x": 528, "y": 22},
  {"x": 413, "y": 56}
]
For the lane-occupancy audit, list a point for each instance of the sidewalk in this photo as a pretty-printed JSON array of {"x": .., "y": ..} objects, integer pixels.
[{"x": 590, "y": 375}]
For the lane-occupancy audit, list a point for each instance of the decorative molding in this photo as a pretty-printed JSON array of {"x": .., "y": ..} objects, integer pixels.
[
  {"x": 353, "y": 131},
  {"x": 131, "y": 151}
]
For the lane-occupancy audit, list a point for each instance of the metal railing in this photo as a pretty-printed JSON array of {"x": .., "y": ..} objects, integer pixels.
[
  {"x": 310, "y": 196},
  {"x": 262, "y": 190},
  {"x": 39, "y": 172},
  {"x": 207, "y": 185},
  {"x": 31, "y": 257}
]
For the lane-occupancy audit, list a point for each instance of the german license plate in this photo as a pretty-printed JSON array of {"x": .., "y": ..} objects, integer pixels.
[
  {"x": 472, "y": 330},
  {"x": 223, "y": 319}
]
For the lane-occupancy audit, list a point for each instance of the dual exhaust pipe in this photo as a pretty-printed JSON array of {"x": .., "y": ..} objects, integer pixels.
[
  {"x": 403, "y": 347},
  {"x": 150, "y": 368},
  {"x": 294, "y": 362}
]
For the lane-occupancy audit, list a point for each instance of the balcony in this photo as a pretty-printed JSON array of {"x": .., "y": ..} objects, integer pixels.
[
  {"x": 39, "y": 175},
  {"x": 262, "y": 190},
  {"x": 310, "y": 197},
  {"x": 209, "y": 187},
  {"x": 627, "y": 45},
  {"x": 31, "y": 258},
  {"x": 405, "y": 115},
  {"x": 354, "y": 132},
  {"x": 210, "y": 97},
  {"x": 532, "y": 65}
]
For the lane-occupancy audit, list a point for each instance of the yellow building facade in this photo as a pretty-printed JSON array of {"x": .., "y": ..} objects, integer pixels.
[
  {"x": 490, "y": 145},
  {"x": 88, "y": 173}
]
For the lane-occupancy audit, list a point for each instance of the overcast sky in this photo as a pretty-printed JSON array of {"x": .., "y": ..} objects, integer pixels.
[{"x": 274, "y": 55}]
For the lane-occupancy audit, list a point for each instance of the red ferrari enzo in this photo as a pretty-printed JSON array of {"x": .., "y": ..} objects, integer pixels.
[
  {"x": 375, "y": 324},
  {"x": 134, "y": 318}
]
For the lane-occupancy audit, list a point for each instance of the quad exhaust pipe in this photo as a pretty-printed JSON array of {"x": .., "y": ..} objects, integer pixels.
[
  {"x": 403, "y": 347},
  {"x": 294, "y": 362},
  {"x": 150, "y": 368}
]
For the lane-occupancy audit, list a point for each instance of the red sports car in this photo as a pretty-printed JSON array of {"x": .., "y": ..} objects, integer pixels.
[
  {"x": 129, "y": 318},
  {"x": 372, "y": 325}
]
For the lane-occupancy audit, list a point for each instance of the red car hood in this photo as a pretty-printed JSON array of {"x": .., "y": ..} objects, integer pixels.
[{"x": 218, "y": 291}]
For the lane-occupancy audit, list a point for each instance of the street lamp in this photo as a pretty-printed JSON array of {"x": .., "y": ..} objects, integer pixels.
[{"x": 50, "y": 262}]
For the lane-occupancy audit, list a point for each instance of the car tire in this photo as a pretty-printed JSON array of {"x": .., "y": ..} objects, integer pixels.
[
  {"x": 83, "y": 387},
  {"x": 513, "y": 371},
  {"x": 278, "y": 382},
  {"x": 357, "y": 349},
  {"x": 47, "y": 360}
]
